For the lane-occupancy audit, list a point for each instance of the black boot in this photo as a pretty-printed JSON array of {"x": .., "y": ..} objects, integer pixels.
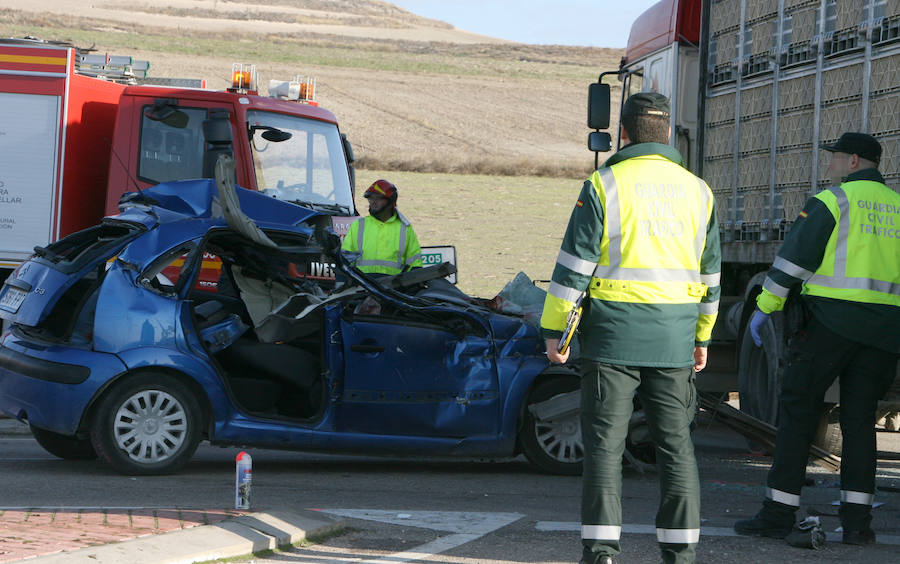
[
  {"x": 605, "y": 559},
  {"x": 861, "y": 538},
  {"x": 761, "y": 526}
]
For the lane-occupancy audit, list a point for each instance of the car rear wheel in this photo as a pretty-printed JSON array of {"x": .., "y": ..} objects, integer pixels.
[
  {"x": 551, "y": 437},
  {"x": 147, "y": 424},
  {"x": 63, "y": 446}
]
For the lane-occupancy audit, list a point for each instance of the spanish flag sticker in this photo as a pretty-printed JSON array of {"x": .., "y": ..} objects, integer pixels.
[
  {"x": 579, "y": 203},
  {"x": 803, "y": 214}
]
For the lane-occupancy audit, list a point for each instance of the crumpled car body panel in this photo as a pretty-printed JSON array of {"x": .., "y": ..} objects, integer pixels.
[{"x": 425, "y": 376}]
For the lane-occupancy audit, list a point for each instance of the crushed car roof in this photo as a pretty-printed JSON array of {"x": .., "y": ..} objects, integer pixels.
[{"x": 175, "y": 201}]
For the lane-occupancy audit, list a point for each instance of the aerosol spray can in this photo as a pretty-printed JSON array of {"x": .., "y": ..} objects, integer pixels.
[{"x": 242, "y": 477}]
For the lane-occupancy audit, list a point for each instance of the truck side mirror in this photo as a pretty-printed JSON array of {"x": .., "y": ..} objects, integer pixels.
[
  {"x": 348, "y": 151},
  {"x": 348, "y": 148},
  {"x": 598, "y": 106},
  {"x": 599, "y": 141}
]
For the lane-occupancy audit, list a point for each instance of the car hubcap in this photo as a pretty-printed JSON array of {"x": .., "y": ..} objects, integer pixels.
[
  {"x": 150, "y": 426},
  {"x": 560, "y": 438}
]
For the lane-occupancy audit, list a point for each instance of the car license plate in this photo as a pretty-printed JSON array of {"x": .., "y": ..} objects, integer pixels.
[{"x": 12, "y": 299}]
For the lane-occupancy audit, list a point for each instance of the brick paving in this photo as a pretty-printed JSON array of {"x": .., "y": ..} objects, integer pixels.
[{"x": 27, "y": 533}]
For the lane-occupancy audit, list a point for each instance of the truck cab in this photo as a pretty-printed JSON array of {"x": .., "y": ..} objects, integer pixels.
[
  {"x": 79, "y": 129},
  {"x": 289, "y": 150}
]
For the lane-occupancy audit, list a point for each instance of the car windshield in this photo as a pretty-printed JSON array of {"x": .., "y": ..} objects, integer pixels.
[{"x": 300, "y": 160}]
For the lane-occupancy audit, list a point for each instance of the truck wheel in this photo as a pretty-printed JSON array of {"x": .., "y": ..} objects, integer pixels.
[
  {"x": 553, "y": 443},
  {"x": 62, "y": 446},
  {"x": 147, "y": 424},
  {"x": 828, "y": 435},
  {"x": 759, "y": 371}
]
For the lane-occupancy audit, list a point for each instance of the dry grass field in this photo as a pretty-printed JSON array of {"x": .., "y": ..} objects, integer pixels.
[{"x": 485, "y": 138}]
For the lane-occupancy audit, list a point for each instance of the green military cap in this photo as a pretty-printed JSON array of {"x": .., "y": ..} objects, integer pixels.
[{"x": 646, "y": 104}]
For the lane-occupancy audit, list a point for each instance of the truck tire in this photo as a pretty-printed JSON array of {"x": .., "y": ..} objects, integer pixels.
[
  {"x": 62, "y": 446},
  {"x": 828, "y": 435},
  {"x": 759, "y": 371},
  {"x": 147, "y": 424},
  {"x": 553, "y": 445}
]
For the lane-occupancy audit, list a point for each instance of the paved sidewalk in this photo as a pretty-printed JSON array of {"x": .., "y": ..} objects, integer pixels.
[
  {"x": 110, "y": 535},
  {"x": 26, "y": 532},
  {"x": 150, "y": 536}
]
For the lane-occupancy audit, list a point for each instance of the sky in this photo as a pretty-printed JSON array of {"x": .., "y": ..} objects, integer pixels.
[{"x": 594, "y": 23}]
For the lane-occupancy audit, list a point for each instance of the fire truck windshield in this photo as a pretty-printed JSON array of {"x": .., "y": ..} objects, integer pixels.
[{"x": 300, "y": 160}]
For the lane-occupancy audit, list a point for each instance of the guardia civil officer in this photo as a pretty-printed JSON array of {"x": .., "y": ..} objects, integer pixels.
[
  {"x": 845, "y": 250},
  {"x": 385, "y": 237},
  {"x": 643, "y": 243}
]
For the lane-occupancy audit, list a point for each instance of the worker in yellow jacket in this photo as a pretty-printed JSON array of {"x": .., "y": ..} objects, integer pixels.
[
  {"x": 844, "y": 249},
  {"x": 642, "y": 253},
  {"x": 385, "y": 238}
]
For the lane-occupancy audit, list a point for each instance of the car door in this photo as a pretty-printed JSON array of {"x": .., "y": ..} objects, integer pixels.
[{"x": 405, "y": 377}]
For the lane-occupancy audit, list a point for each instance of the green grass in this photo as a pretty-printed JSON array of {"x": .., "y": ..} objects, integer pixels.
[{"x": 500, "y": 225}]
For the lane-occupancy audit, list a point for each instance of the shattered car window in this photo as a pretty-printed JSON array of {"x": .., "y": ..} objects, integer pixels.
[{"x": 164, "y": 275}]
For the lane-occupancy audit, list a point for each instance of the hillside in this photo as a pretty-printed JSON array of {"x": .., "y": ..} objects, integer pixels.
[{"x": 410, "y": 92}]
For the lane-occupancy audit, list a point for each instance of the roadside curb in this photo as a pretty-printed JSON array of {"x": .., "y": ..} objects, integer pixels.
[{"x": 240, "y": 536}]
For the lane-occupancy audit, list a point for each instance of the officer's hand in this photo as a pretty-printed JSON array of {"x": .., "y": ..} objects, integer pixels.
[
  {"x": 756, "y": 322},
  {"x": 553, "y": 355},
  {"x": 700, "y": 355}
]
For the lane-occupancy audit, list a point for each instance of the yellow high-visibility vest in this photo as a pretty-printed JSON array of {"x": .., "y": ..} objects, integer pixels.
[
  {"x": 862, "y": 256},
  {"x": 654, "y": 233},
  {"x": 387, "y": 247}
]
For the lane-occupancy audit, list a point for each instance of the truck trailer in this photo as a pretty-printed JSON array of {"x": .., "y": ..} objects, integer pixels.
[{"x": 756, "y": 87}]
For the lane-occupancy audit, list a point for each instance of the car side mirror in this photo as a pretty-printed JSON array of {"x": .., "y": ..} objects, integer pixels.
[{"x": 599, "y": 141}]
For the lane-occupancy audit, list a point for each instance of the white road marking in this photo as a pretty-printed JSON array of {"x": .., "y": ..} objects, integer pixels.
[
  {"x": 556, "y": 526},
  {"x": 465, "y": 526}
]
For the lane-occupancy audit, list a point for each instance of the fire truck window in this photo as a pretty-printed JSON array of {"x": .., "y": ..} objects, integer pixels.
[
  {"x": 309, "y": 166},
  {"x": 168, "y": 152},
  {"x": 164, "y": 274}
]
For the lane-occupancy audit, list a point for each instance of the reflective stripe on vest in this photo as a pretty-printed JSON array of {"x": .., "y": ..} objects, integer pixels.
[
  {"x": 398, "y": 264},
  {"x": 613, "y": 230},
  {"x": 839, "y": 278}
]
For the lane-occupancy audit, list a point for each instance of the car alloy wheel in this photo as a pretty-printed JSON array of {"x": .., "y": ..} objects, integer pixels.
[
  {"x": 150, "y": 426},
  {"x": 148, "y": 423},
  {"x": 551, "y": 437}
]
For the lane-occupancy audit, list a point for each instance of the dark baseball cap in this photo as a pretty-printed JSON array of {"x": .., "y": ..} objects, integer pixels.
[
  {"x": 860, "y": 144},
  {"x": 646, "y": 104}
]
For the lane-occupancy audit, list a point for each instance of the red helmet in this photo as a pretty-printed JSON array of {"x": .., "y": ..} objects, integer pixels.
[{"x": 382, "y": 188}]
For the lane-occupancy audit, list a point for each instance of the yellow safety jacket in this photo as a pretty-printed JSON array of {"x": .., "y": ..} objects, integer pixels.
[
  {"x": 388, "y": 247},
  {"x": 862, "y": 257},
  {"x": 643, "y": 243}
]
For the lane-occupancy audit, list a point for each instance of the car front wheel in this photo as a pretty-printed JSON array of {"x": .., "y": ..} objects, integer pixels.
[
  {"x": 551, "y": 436},
  {"x": 147, "y": 424}
]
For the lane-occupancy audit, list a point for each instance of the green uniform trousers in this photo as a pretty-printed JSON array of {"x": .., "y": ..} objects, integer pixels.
[
  {"x": 669, "y": 400},
  {"x": 817, "y": 356}
]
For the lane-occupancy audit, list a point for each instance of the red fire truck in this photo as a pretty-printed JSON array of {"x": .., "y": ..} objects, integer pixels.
[{"x": 77, "y": 130}]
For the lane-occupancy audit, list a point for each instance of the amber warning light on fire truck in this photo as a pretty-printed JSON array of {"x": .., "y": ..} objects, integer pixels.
[{"x": 243, "y": 78}]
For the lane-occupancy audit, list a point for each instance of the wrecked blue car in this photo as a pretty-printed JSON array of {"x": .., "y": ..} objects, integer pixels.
[{"x": 120, "y": 347}]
